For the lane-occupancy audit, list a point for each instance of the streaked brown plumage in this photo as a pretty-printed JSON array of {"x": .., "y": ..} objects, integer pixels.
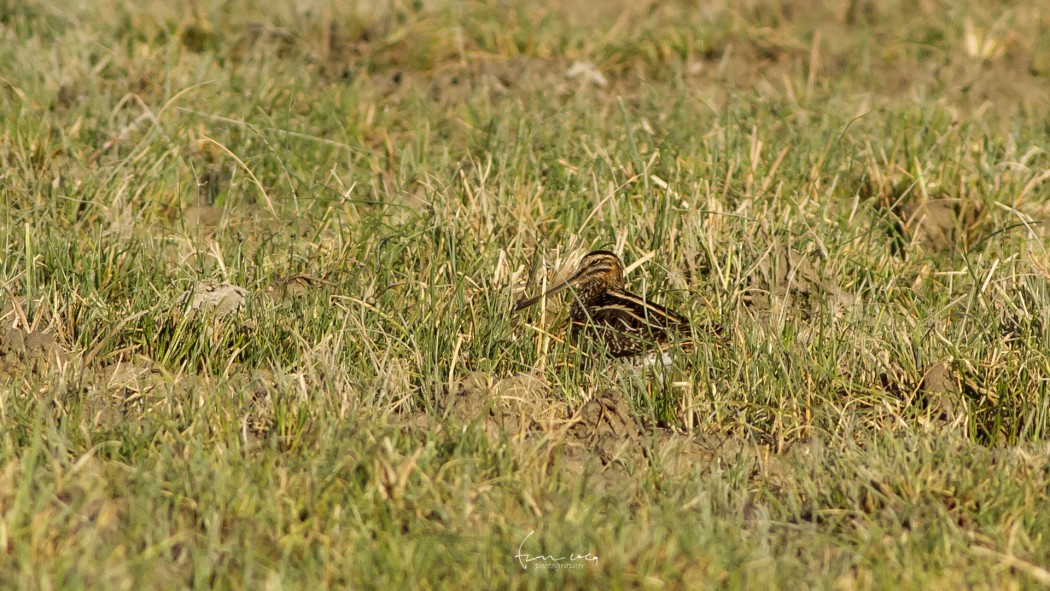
[{"x": 602, "y": 310}]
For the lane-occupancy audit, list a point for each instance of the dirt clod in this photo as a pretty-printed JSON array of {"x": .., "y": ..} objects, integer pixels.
[
  {"x": 937, "y": 224},
  {"x": 218, "y": 298},
  {"x": 786, "y": 279}
]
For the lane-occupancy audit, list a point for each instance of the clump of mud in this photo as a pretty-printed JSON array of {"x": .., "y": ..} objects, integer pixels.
[
  {"x": 928, "y": 220},
  {"x": 516, "y": 406},
  {"x": 601, "y": 435},
  {"x": 785, "y": 279},
  {"x": 26, "y": 346},
  {"x": 217, "y": 298}
]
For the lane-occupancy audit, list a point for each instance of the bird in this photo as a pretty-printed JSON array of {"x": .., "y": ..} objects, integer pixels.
[{"x": 603, "y": 311}]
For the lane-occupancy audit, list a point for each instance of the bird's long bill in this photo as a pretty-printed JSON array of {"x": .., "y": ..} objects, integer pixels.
[{"x": 560, "y": 286}]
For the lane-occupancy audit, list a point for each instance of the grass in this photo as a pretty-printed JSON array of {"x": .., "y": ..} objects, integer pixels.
[{"x": 856, "y": 192}]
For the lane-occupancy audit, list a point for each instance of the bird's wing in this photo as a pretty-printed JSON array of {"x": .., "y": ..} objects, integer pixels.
[{"x": 627, "y": 312}]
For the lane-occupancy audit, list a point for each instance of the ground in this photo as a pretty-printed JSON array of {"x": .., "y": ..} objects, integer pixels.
[{"x": 261, "y": 258}]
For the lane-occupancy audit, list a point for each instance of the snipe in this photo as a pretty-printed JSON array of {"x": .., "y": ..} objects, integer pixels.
[{"x": 603, "y": 311}]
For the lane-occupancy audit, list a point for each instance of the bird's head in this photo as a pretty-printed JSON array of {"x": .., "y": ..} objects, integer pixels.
[{"x": 598, "y": 271}]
